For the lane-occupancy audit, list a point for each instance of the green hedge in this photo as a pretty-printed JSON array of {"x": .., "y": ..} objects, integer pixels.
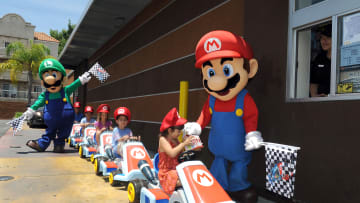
[{"x": 18, "y": 114}]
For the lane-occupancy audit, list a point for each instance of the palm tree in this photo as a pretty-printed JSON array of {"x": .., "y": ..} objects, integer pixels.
[{"x": 24, "y": 59}]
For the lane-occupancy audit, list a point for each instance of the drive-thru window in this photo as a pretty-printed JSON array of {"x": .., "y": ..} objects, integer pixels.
[{"x": 318, "y": 70}]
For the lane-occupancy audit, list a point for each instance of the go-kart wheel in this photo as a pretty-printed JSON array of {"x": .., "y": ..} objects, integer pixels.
[
  {"x": 81, "y": 152},
  {"x": 97, "y": 166},
  {"x": 133, "y": 190},
  {"x": 92, "y": 159},
  {"x": 187, "y": 156},
  {"x": 111, "y": 179}
]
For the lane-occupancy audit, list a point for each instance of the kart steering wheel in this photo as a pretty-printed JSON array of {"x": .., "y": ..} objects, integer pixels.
[
  {"x": 132, "y": 139},
  {"x": 187, "y": 156}
]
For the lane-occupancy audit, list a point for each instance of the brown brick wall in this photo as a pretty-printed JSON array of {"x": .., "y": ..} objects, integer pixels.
[{"x": 8, "y": 109}]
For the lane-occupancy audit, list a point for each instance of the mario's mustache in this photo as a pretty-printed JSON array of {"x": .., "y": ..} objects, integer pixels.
[{"x": 231, "y": 83}]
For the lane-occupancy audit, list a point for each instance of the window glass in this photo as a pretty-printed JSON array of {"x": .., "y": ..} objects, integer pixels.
[
  {"x": 313, "y": 66},
  {"x": 299, "y": 4},
  {"x": 348, "y": 54}
]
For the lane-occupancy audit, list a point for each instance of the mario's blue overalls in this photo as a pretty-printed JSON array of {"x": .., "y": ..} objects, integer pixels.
[
  {"x": 226, "y": 142},
  {"x": 59, "y": 117}
]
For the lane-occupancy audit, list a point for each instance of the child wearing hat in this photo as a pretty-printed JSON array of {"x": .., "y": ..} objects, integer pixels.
[
  {"x": 102, "y": 122},
  {"x": 170, "y": 148},
  {"x": 78, "y": 114},
  {"x": 58, "y": 111},
  {"x": 87, "y": 120},
  {"x": 121, "y": 133}
]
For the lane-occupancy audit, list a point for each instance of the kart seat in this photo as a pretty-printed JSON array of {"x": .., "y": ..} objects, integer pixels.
[{"x": 156, "y": 163}]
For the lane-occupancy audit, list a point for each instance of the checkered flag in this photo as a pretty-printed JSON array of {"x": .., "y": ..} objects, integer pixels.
[
  {"x": 280, "y": 168},
  {"x": 99, "y": 72},
  {"x": 17, "y": 124}
]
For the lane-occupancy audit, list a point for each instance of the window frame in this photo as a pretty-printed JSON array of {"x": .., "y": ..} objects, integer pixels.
[{"x": 328, "y": 10}]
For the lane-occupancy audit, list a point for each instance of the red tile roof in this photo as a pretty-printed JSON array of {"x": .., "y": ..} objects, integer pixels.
[{"x": 44, "y": 37}]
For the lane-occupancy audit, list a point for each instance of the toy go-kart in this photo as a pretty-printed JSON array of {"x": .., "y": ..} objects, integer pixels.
[
  {"x": 75, "y": 136},
  {"x": 198, "y": 185},
  {"x": 87, "y": 146},
  {"x": 133, "y": 151},
  {"x": 103, "y": 164}
]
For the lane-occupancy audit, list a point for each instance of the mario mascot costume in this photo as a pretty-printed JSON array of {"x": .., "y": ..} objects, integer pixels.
[
  {"x": 227, "y": 63},
  {"x": 58, "y": 111}
]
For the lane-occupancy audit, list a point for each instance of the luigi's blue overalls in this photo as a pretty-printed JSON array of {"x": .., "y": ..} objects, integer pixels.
[
  {"x": 58, "y": 114},
  {"x": 226, "y": 142},
  {"x": 59, "y": 117}
]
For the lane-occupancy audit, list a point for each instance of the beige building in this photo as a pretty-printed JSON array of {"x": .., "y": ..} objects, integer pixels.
[{"x": 14, "y": 28}]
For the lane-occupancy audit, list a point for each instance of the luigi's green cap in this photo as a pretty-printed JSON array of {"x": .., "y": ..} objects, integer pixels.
[{"x": 51, "y": 64}]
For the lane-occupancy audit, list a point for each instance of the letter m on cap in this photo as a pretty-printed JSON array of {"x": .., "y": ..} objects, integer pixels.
[{"x": 212, "y": 44}]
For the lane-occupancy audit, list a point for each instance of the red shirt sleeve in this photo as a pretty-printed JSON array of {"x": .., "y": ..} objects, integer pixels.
[
  {"x": 205, "y": 116},
  {"x": 250, "y": 114}
]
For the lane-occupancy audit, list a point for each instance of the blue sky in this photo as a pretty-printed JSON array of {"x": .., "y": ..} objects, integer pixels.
[{"x": 46, "y": 14}]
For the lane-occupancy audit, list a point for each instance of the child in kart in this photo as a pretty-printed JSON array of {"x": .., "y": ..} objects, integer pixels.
[
  {"x": 121, "y": 133},
  {"x": 102, "y": 122},
  {"x": 170, "y": 148},
  {"x": 78, "y": 114},
  {"x": 87, "y": 120}
]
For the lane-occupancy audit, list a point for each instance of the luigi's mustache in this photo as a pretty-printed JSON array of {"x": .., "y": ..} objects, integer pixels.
[{"x": 56, "y": 84}]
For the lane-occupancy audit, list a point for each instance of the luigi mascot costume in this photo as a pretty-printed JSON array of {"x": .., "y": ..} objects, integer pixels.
[
  {"x": 226, "y": 63},
  {"x": 58, "y": 111}
]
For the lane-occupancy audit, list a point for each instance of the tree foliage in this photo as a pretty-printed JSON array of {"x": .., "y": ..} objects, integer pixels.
[
  {"x": 62, "y": 35},
  {"x": 24, "y": 59}
]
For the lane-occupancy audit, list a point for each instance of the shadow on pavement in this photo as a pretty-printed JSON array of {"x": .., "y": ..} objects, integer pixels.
[{"x": 34, "y": 152}]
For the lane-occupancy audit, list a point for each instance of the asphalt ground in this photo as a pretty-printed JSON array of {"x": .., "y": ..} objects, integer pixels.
[{"x": 3, "y": 127}]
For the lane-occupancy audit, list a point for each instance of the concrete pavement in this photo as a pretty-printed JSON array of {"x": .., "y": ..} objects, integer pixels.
[{"x": 49, "y": 177}]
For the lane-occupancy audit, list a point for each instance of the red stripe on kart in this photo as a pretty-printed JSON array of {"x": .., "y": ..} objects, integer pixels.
[
  {"x": 110, "y": 164},
  {"x": 159, "y": 194},
  {"x": 78, "y": 140},
  {"x": 91, "y": 149}
]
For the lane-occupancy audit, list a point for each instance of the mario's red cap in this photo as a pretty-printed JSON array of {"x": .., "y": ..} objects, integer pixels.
[
  {"x": 122, "y": 111},
  {"x": 89, "y": 109},
  {"x": 103, "y": 108},
  {"x": 77, "y": 105},
  {"x": 171, "y": 119},
  {"x": 221, "y": 44}
]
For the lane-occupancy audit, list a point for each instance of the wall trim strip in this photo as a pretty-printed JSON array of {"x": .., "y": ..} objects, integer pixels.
[{"x": 146, "y": 95}]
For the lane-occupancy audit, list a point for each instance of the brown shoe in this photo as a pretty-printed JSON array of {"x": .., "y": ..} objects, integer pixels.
[
  {"x": 59, "y": 149},
  {"x": 33, "y": 144},
  {"x": 244, "y": 196}
]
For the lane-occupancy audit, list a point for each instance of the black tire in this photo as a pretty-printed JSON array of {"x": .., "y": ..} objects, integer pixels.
[
  {"x": 81, "y": 152},
  {"x": 113, "y": 182},
  {"x": 136, "y": 185},
  {"x": 97, "y": 166}
]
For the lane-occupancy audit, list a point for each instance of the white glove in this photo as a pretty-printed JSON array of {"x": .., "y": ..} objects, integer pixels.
[
  {"x": 253, "y": 140},
  {"x": 192, "y": 128},
  {"x": 85, "y": 78},
  {"x": 29, "y": 113}
]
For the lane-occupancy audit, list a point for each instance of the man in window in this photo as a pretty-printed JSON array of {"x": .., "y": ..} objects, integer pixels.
[{"x": 321, "y": 65}]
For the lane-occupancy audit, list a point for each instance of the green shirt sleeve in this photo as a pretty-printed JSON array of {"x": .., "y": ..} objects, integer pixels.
[
  {"x": 72, "y": 87},
  {"x": 39, "y": 102}
]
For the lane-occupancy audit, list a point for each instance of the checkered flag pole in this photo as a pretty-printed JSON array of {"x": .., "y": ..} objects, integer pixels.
[
  {"x": 99, "y": 72},
  {"x": 280, "y": 168},
  {"x": 17, "y": 124}
]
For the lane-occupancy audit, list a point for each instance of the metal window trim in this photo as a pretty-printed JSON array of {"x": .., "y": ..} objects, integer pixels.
[{"x": 334, "y": 10}]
